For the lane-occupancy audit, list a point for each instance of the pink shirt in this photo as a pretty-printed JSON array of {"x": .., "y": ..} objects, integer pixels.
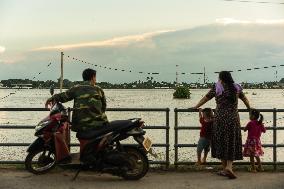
[{"x": 255, "y": 129}]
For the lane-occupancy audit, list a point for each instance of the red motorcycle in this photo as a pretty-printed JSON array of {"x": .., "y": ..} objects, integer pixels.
[{"x": 100, "y": 150}]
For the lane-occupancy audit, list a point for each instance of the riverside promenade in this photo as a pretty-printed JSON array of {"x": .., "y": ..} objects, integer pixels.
[{"x": 61, "y": 179}]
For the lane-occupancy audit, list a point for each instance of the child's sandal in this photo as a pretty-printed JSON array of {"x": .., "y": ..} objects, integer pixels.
[
  {"x": 198, "y": 163},
  {"x": 260, "y": 169},
  {"x": 252, "y": 170}
]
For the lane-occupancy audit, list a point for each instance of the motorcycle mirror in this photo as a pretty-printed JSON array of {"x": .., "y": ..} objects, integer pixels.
[{"x": 51, "y": 90}]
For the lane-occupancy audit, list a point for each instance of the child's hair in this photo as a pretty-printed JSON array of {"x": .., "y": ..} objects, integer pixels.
[
  {"x": 207, "y": 111},
  {"x": 256, "y": 114}
]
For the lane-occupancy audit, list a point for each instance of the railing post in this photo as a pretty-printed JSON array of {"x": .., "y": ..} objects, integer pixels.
[
  {"x": 69, "y": 132},
  {"x": 168, "y": 137},
  {"x": 61, "y": 75},
  {"x": 275, "y": 139},
  {"x": 176, "y": 137}
]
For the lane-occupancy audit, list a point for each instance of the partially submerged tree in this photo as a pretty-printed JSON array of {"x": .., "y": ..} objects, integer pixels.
[{"x": 182, "y": 92}]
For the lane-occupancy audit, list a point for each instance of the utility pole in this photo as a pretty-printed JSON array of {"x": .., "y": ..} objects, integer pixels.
[
  {"x": 204, "y": 76},
  {"x": 176, "y": 75},
  {"x": 61, "y": 76}
]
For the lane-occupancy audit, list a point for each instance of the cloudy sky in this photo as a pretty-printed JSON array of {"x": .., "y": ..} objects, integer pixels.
[{"x": 140, "y": 36}]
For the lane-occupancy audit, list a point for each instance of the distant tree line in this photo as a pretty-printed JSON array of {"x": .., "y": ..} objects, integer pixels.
[{"x": 148, "y": 84}]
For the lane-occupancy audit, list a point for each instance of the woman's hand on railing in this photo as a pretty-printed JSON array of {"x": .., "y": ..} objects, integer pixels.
[{"x": 194, "y": 108}]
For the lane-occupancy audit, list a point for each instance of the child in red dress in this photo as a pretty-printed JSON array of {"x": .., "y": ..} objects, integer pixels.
[{"x": 253, "y": 148}]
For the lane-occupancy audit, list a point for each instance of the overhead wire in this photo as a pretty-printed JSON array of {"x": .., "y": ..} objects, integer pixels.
[
  {"x": 111, "y": 68},
  {"x": 158, "y": 73},
  {"x": 18, "y": 89},
  {"x": 259, "y": 2}
]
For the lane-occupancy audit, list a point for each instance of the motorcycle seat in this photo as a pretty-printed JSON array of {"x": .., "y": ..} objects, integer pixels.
[{"x": 111, "y": 126}]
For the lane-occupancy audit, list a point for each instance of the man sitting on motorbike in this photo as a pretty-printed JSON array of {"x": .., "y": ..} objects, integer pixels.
[{"x": 89, "y": 103}]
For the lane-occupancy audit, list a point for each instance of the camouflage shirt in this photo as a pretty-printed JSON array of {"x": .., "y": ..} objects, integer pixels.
[{"x": 89, "y": 106}]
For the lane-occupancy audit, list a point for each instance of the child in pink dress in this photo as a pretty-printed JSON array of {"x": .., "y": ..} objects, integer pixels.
[{"x": 252, "y": 147}]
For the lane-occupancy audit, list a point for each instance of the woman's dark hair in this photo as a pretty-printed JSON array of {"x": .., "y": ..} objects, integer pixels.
[
  {"x": 256, "y": 114},
  {"x": 88, "y": 74},
  {"x": 226, "y": 78}
]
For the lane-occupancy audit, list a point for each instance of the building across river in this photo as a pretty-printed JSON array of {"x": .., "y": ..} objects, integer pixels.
[{"x": 22, "y": 86}]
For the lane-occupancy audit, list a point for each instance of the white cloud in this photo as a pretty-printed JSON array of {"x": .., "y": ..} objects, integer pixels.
[
  {"x": 12, "y": 58},
  {"x": 2, "y": 49},
  {"x": 118, "y": 41},
  {"x": 227, "y": 21},
  {"x": 281, "y": 21},
  {"x": 275, "y": 54}
]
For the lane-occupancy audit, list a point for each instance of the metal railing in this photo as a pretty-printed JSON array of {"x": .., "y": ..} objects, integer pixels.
[
  {"x": 165, "y": 127},
  {"x": 274, "y": 145}
]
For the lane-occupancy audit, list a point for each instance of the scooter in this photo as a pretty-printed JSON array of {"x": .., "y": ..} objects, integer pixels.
[{"x": 100, "y": 150}]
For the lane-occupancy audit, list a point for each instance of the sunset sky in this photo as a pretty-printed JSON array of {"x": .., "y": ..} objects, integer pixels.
[{"x": 33, "y": 32}]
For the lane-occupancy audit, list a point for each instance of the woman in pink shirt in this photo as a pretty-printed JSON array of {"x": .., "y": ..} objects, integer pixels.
[{"x": 253, "y": 148}]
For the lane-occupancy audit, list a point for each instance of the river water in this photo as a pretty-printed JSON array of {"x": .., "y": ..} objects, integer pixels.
[{"x": 138, "y": 98}]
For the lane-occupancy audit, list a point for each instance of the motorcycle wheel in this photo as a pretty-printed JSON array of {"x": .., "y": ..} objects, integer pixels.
[
  {"x": 40, "y": 161},
  {"x": 139, "y": 164}
]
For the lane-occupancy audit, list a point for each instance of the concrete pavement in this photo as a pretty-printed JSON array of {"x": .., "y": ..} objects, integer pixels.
[{"x": 61, "y": 179}]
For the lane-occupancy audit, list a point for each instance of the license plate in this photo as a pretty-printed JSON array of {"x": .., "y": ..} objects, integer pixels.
[{"x": 147, "y": 143}]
